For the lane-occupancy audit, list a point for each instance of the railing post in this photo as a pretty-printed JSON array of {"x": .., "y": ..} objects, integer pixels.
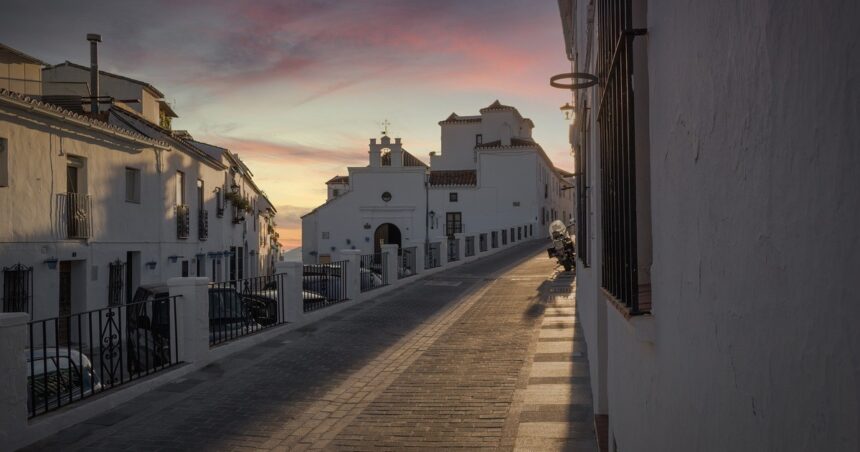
[
  {"x": 192, "y": 317},
  {"x": 13, "y": 374},
  {"x": 460, "y": 237},
  {"x": 443, "y": 252},
  {"x": 419, "y": 259},
  {"x": 293, "y": 308},
  {"x": 353, "y": 272},
  {"x": 392, "y": 262}
]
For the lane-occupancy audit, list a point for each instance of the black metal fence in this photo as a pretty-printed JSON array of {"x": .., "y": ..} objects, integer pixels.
[
  {"x": 432, "y": 255},
  {"x": 245, "y": 306},
  {"x": 470, "y": 246},
  {"x": 453, "y": 250},
  {"x": 324, "y": 285},
  {"x": 72, "y": 358},
  {"x": 374, "y": 271},
  {"x": 408, "y": 258}
]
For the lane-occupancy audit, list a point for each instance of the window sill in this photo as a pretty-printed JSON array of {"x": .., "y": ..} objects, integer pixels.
[{"x": 642, "y": 325}]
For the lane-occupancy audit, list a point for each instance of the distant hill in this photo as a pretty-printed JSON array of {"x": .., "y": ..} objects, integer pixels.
[{"x": 293, "y": 255}]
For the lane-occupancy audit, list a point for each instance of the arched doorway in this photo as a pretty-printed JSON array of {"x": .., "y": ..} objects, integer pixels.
[{"x": 386, "y": 233}]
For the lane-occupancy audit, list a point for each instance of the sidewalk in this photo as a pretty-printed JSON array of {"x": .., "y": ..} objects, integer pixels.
[{"x": 476, "y": 357}]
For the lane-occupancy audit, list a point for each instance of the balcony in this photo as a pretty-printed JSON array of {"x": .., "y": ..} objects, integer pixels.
[
  {"x": 202, "y": 224},
  {"x": 183, "y": 221},
  {"x": 73, "y": 212}
]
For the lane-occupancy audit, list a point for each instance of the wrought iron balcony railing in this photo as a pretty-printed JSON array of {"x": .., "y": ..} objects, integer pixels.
[{"x": 73, "y": 211}]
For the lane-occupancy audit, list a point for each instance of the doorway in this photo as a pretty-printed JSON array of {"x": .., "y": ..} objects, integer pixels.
[
  {"x": 65, "y": 303},
  {"x": 388, "y": 234}
]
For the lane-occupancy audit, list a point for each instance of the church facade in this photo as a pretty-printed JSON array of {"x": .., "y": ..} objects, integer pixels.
[{"x": 491, "y": 183}]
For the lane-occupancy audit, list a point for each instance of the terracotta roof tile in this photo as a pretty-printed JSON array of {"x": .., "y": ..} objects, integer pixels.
[{"x": 454, "y": 177}]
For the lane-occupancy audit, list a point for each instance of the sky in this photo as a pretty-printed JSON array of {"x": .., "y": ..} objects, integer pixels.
[{"x": 297, "y": 87}]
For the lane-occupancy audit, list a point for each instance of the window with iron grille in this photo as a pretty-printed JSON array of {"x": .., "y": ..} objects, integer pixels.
[
  {"x": 494, "y": 239},
  {"x": 116, "y": 286},
  {"x": 453, "y": 223},
  {"x": 582, "y": 176},
  {"x": 504, "y": 236},
  {"x": 132, "y": 185},
  {"x": 618, "y": 156},
  {"x": 17, "y": 288}
]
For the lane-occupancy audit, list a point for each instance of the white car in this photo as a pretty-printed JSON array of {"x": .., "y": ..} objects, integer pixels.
[{"x": 57, "y": 377}]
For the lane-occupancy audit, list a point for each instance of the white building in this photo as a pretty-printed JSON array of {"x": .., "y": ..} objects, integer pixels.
[
  {"x": 490, "y": 182},
  {"x": 718, "y": 232},
  {"x": 94, "y": 205}
]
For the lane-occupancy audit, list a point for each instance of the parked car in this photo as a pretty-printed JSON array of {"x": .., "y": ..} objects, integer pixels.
[
  {"x": 324, "y": 280},
  {"x": 57, "y": 376},
  {"x": 371, "y": 277}
]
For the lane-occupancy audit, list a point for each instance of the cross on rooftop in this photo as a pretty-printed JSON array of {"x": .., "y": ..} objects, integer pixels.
[{"x": 385, "y": 125}]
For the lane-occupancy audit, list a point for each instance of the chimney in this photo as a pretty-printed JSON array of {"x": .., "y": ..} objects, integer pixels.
[{"x": 94, "y": 39}]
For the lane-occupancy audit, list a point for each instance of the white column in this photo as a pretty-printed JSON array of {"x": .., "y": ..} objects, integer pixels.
[
  {"x": 13, "y": 374},
  {"x": 461, "y": 247},
  {"x": 393, "y": 264},
  {"x": 419, "y": 258},
  {"x": 193, "y": 317},
  {"x": 353, "y": 272},
  {"x": 443, "y": 251},
  {"x": 291, "y": 294}
]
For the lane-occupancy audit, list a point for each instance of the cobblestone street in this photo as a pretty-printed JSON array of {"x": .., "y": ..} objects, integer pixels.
[{"x": 485, "y": 355}]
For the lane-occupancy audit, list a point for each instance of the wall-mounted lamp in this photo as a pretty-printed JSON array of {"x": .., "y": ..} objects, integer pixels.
[
  {"x": 52, "y": 262},
  {"x": 151, "y": 265},
  {"x": 366, "y": 225},
  {"x": 348, "y": 241},
  {"x": 567, "y": 109},
  {"x": 367, "y": 239}
]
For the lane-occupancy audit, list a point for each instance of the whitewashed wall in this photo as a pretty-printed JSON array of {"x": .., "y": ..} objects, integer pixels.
[{"x": 753, "y": 169}]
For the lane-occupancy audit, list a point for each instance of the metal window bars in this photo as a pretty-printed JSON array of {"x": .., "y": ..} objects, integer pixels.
[
  {"x": 202, "y": 224},
  {"x": 74, "y": 357},
  {"x": 17, "y": 288},
  {"x": 183, "y": 221},
  {"x": 615, "y": 118}
]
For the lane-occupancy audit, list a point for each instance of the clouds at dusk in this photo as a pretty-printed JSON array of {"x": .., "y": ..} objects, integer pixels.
[{"x": 298, "y": 87}]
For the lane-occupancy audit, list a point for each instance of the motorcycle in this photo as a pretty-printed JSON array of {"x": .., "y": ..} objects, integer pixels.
[{"x": 563, "y": 245}]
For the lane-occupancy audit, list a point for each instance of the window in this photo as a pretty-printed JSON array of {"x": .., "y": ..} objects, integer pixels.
[
  {"x": 452, "y": 197},
  {"x": 4, "y": 162},
  {"x": 219, "y": 202},
  {"x": 624, "y": 156},
  {"x": 132, "y": 185},
  {"x": 504, "y": 236},
  {"x": 479, "y": 139},
  {"x": 116, "y": 286},
  {"x": 513, "y": 237},
  {"x": 546, "y": 191},
  {"x": 325, "y": 235},
  {"x": 516, "y": 203},
  {"x": 494, "y": 239},
  {"x": 200, "y": 198},
  {"x": 335, "y": 192},
  {"x": 180, "y": 188},
  {"x": 17, "y": 288},
  {"x": 453, "y": 223}
]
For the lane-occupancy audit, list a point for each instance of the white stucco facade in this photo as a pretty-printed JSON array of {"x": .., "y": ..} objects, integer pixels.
[
  {"x": 127, "y": 202},
  {"x": 747, "y": 118},
  {"x": 489, "y": 176}
]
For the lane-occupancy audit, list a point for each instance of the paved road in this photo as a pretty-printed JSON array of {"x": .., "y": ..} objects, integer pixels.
[{"x": 485, "y": 355}]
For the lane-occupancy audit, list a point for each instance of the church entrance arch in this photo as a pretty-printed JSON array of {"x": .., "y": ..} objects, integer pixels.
[{"x": 386, "y": 233}]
